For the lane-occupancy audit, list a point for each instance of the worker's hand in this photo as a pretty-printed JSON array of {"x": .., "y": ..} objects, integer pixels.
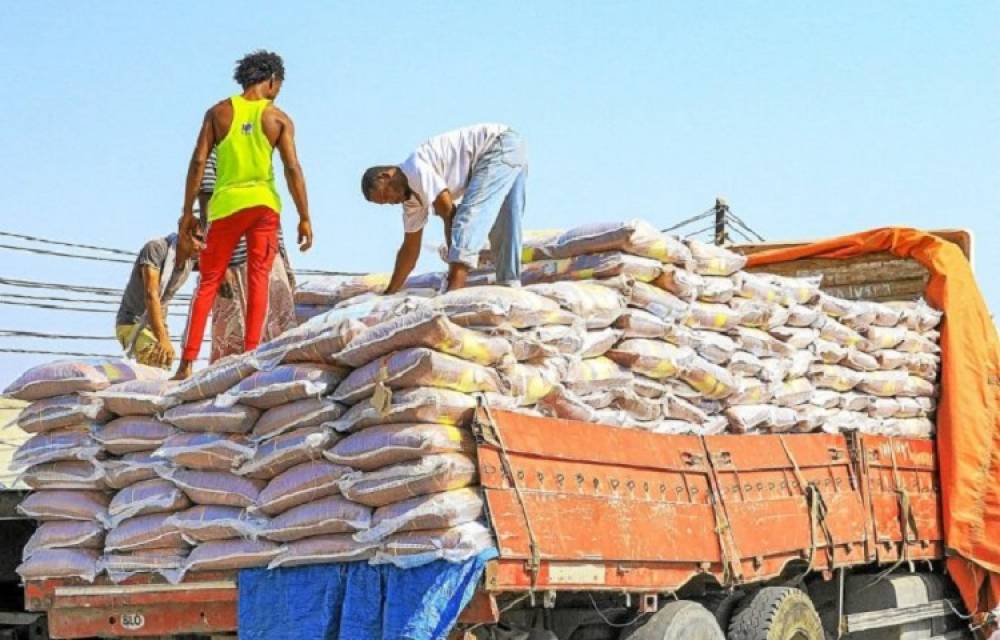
[
  {"x": 188, "y": 224},
  {"x": 163, "y": 353},
  {"x": 305, "y": 235}
]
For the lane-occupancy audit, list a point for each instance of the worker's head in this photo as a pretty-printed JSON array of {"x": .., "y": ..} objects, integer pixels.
[
  {"x": 191, "y": 244},
  {"x": 261, "y": 68},
  {"x": 385, "y": 185}
]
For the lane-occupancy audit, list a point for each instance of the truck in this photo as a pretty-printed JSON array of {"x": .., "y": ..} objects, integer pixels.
[{"x": 607, "y": 533}]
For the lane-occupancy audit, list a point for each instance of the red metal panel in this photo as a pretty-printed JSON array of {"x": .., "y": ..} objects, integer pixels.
[{"x": 916, "y": 467}]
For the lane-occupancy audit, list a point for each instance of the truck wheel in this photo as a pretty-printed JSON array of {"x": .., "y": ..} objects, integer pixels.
[
  {"x": 680, "y": 620},
  {"x": 777, "y": 613}
]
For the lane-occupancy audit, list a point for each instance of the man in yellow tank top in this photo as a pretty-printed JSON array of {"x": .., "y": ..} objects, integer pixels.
[{"x": 244, "y": 129}]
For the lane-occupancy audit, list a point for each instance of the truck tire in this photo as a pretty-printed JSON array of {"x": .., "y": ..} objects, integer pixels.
[
  {"x": 777, "y": 613},
  {"x": 679, "y": 620}
]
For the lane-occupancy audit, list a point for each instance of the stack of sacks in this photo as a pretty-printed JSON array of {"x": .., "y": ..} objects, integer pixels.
[
  {"x": 322, "y": 294},
  {"x": 64, "y": 462}
]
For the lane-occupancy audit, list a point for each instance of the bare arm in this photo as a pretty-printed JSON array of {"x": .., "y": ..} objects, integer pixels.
[
  {"x": 196, "y": 169},
  {"x": 444, "y": 207},
  {"x": 406, "y": 260},
  {"x": 295, "y": 179},
  {"x": 154, "y": 314}
]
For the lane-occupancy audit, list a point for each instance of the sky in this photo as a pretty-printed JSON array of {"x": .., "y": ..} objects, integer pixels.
[{"x": 811, "y": 119}]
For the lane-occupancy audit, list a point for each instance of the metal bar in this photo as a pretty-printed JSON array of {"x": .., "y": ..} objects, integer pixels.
[
  {"x": 142, "y": 588},
  {"x": 720, "y": 221},
  {"x": 900, "y": 615}
]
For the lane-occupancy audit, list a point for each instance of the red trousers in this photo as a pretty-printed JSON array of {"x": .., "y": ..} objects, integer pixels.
[{"x": 260, "y": 226}]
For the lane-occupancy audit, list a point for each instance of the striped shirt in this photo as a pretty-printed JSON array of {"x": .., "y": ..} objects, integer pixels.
[{"x": 207, "y": 187}]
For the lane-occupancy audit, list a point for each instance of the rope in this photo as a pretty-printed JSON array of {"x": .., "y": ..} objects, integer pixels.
[
  {"x": 727, "y": 545},
  {"x": 906, "y": 517},
  {"x": 535, "y": 563},
  {"x": 616, "y": 625},
  {"x": 817, "y": 509}
]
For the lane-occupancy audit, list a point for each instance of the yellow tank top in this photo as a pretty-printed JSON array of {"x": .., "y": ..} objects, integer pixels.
[{"x": 244, "y": 174}]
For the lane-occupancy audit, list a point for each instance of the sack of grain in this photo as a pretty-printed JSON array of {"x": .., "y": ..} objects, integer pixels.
[
  {"x": 796, "y": 337},
  {"x": 598, "y": 305},
  {"x": 66, "y": 505},
  {"x": 439, "y": 406},
  {"x": 492, "y": 306},
  {"x": 416, "y": 548},
  {"x": 710, "y": 260},
  {"x": 652, "y": 358},
  {"x": 131, "y": 468},
  {"x": 837, "y": 378},
  {"x": 138, "y": 397},
  {"x": 63, "y": 377},
  {"x": 802, "y": 316},
  {"x": 880, "y": 338},
  {"x": 662, "y": 304},
  {"x": 751, "y": 417},
  {"x": 132, "y": 434},
  {"x": 792, "y": 392},
  {"x": 750, "y": 391},
  {"x": 216, "y": 487},
  {"x": 57, "y": 445},
  {"x": 61, "y": 412},
  {"x": 717, "y": 348},
  {"x": 563, "y": 403},
  {"x": 637, "y": 323},
  {"x": 529, "y": 382},
  {"x": 323, "y": 549},
  {"x": 594, "y": 374},
  {"x": 599, "y": 266},
  {"x": 214, "y": 379},
  {"x": 286, "y": 451},
  {"x": 205, "y": 523},
  {"x": 908, "y": 427},
  {"x": 918, "y": 316},
  {"x": 598, "y": 343},
  {"x": 331, "y": 290},
  {"x": 682, "y": 283},
  {"x": 796, "y": 290},
  {"x": 301, "y": 484},
  {"x": 717, "y": 289},
  {"x": 167, "y": 562},
  {"x": 711, "y": 381},
  {"x": 712, "y": 317},
  {"x": 762, "y": 344},
  {"x": 755, "y": 287},
  {"x": 310, "y": 412},
  {"x": 435, "y": 511},
  {"x": 636, "y": 237},
  {"x": 66, "y": 474},
  {"x": 860, "y": 361},
  {"x": 46, "y": 564},
  {"x": 431, "y": 474},
  {"x": 745, "y": 363},
  {"x": 317, "y": 340},
  {"x": 418, "y": 367},
  {"x": 229, "y": 555},
  {"x": 423, "y": 328},
  {"x": 895, "y": 383},
  {"x": 759, "y": 315},
  {"x": 207, "y": 416},
  {"x": 544, "y": 341},
  {"x": 60, "y": 534},
  {"x": 148, "y": 496},
  {"x": 205, "y": 451},
  {"x": 324, "y": 516},
  {"x": 639, "y": 408},
  {"x": 389, "y": 444},
  {"x": 283, "y": 384},
  {"x": 841, "y": 334}
]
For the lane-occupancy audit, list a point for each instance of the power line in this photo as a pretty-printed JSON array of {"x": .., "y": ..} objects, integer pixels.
[
  {"x": 62, "y": 254},
  {"x": 40, "y": 305},
  {"x": 688, "y": 221},
  {"x": 19, "y": 333},
  {"x": 43, "y": 352},
  {"x": 71, "y": 288},
  {"x": 28, "y": 296},
  {"x": 65, "y": 244}
]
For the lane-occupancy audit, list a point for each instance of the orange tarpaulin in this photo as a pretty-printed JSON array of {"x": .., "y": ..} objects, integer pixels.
[{"x": 968, "y": 431}]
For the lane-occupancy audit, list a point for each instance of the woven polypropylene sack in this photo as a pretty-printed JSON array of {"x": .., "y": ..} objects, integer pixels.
[
  {"x": 206, "y": 415},
  {"x": 750, "y": 391},
  {"x": 637, "y": 323},
  {"x": 205, "y": 451},
  {"x": 61, "y": 412},
  {"x": 418, "y": 367},
  {"x": 385, "y": 445},
  {"x": 431, "y": 474},
  {"x": 792, "y": 392},
  {"x": 205, "y": 523},
  {"x": 168, "y": 562},
  {"x": 216, "y": 487},
  {"x": 149, "y": 496},
  {"x": 662, "y": 304},
  {"x": 711, "y": 260},
  {"x": 228, "y": 555},
  {"x": 66, "y": 505},
  {"x": 896, "y": 383},
  {"x": 492, "y": 306},
  {"x": 592, "y": 266},
  {"x": 66, "y": 474},
  {"x": 309, "y": 412},
  {"x": 597, "y": 343},
  {"x": 711, "y": 381},
  {"x": 323, "y": 549},
  {"x": 65, "y": 533},
  {"x": 545, "y": 341},
  {"x": 595, "y": 374},
  {"x": 416, "y": 548},
  {"x": 636, "y": 237},
  {"x": 436, "y": 511},
  {"x": 71, "y": 376},
  {"x": 333, "y": 290},
  {"x": 652, "y": 358},
  {"x": 318, "y": 340},
  {"x": 325, "y": 516},
  {"x": 528, "y": 383},
  {"x": 152, "y": 531},
  {"x": 286, "y": 451},
  {"x": 139, "y": 397},
  {"x": 680, "y": 282},
  {"x": 214, "y": 379},
  {"x": 53, "y": 446},
  {"x": 761, "y": 343},
  {"x": 133, "y": 434},
  {"x": 834, "y": 377},
  {"x": 47, "y": 564},
  {"x": 750, "y": 417},
  {"x": 410, "y": 405},
  {"x": 131, "y": 468},
  {"x": 795, "y": 290},
  {"x": 284, "y": 384},
  {"x": 300, "y": 484},
  {"x": 599, "y": 306},
  {"x": 423, "y": 328}
]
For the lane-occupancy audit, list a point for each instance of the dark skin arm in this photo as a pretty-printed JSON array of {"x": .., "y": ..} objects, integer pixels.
[
  {"x": 406, "y": 260},
  {"x": 196, "y": 170},
  {"x": 444, "y": 207},
  {"x": 164, "y": 350},
  {"x": 294, "y": 177}
]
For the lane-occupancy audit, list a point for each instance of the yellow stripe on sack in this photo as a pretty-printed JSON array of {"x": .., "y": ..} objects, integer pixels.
[
  {"x": 537, "y": 389},
  {"x": 720, "y": 320},
  {"x": 663, "y": 369},
  {"x": 453, "y": 435},
  {"x": 585, "y": 274}
]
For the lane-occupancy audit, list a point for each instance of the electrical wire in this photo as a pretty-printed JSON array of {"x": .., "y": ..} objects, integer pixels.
[
  {"x": 44, "y": 352},
  {"x": 71, "y": 288},
  {"x": 65, "y": 244},
  {"x": 39, "y": 305},
  {"x": 18, "y": 333},
  {"x": 62, "y": 254},
  {"x": 688, "y": 221},
  {"x": 28, "y": 296}
]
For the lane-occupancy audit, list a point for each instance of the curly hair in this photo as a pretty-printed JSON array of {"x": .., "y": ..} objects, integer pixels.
[{"x": 258, "y": 66}]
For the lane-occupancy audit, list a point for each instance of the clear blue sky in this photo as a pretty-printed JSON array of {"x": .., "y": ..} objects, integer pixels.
[{"x": 813, "y": 119}]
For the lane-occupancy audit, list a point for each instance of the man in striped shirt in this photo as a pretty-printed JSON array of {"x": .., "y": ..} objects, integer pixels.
[{"x": 229, "y": 309}]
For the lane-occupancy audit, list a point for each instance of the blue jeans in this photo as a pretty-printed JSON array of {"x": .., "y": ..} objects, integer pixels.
[{"x": 492, "y": 206}]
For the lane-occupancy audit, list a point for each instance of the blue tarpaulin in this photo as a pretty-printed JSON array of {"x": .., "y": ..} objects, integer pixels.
[{"x": 356, "y": 601}]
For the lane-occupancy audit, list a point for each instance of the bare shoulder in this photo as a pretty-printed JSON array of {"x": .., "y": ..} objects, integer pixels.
[{"x": 275, "y": 113}]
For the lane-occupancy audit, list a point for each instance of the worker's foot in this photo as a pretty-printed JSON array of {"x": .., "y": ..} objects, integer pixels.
[{"x": 184, "y": 370}]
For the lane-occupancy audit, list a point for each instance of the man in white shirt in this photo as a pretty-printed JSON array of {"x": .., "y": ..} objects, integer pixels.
[{"x": 473, "y": 178}]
